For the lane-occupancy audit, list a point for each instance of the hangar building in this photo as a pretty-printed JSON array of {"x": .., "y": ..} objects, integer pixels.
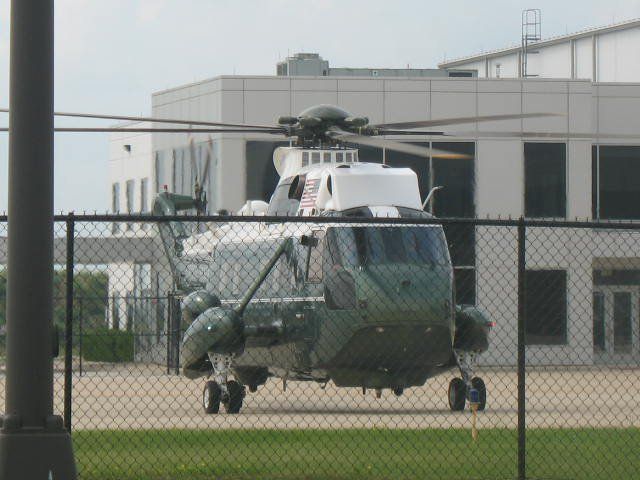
[{"x": 508, "y": 176}]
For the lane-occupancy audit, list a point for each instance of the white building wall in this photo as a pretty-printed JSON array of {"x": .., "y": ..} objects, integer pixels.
[{"x": 614, "y": 50}]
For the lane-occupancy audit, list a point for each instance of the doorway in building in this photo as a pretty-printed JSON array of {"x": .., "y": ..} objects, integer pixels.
[{"x": 616, "y": 325}]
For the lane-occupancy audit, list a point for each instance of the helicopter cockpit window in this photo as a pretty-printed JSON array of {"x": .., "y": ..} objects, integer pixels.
[
  {"x": 339, "y": 157},
  {"x": 357, "y": 246},
  {"x": 305, "y": 159},
  {"x": 314, "y": 258},
  {"x": 326, "y": 157},
  {"x": 339, "y": 284},
  {"x": 315, "y": 157}
]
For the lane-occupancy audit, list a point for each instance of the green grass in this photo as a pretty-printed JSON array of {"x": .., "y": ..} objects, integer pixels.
[{"x": 354, "y": 454}]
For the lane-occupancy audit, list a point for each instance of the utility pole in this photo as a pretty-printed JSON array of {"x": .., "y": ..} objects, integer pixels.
[{"x": 33, "y": 442}]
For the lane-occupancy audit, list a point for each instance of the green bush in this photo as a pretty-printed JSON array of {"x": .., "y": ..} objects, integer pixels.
[{"x": 107, "y": 346}]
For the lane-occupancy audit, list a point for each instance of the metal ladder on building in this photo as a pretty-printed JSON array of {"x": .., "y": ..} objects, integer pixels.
[{"x": 531, "y": 33}]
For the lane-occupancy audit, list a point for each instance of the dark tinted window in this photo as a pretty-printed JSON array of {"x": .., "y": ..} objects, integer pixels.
[
  {"x": 545, "y": 179},
  {"x": 619, "y": 187},
  {"x": 465, "y": 286},
  {"x": 382, "y": 245},
  {"x": 546, "y": 307},
  {"x": 457, "y": 177},
  {"x": 262, "y": 176}
]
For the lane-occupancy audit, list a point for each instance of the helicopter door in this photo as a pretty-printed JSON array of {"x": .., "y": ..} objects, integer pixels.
[{"x": 616, "y": 314}]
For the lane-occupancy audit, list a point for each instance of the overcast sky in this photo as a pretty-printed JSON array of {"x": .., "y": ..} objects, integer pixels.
[{"x": 111, "y": 55}]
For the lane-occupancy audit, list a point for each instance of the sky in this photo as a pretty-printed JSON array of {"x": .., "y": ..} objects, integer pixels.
[{"x": 112, "y": 55}]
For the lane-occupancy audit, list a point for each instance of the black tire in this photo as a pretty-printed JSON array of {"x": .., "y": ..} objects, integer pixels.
[
  {"x": 457, "y": 394},
  {"x": 478, "y": 384},
  {"x": 398, "y": 391},
  {"x": 211, "y": 397},
  {"x": 235, "y": 395}
]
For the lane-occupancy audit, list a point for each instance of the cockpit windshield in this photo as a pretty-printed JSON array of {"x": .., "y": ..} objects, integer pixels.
[{"x": 379, "y": 245}]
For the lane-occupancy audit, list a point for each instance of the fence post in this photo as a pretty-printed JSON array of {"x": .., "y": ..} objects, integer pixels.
[
  {"x": 81, "y": 309},
  {"x": 68, "y": 349},
  {"x": 168, "y": 330},
  {"x": 522, "y": 455},
  {"x": 176, "y": 335}
]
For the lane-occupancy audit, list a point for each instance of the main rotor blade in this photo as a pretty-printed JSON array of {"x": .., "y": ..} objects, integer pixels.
[
  {"x": 411, "y": 132},
  {"x": 160, "y": 130},
  {"x": 579, "y": 136},
  {"x": 396, "y": 146},
  {"x": 460, "y": 120},
  {"x": 156, "y": 120}
]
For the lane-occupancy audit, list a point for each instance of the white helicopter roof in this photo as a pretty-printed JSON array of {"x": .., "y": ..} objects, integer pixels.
[
  {"x": 335, "y": 180},
  {"x": 349, "y": 186}
]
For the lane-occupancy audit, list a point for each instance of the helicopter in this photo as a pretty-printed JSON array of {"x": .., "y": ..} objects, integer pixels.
[{"x": 369, "y": 304}]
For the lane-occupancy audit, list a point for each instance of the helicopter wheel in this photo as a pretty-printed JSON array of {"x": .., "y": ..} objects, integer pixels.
[
  {"x": 398, "y": 391},
  {"x": 211, "y": 397},
  {"x": 235, "y": 395},
  {"x": 457, "y": 394},
  {"x": 253, "y": 388}
]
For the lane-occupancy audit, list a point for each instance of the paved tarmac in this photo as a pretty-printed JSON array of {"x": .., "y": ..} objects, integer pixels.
[{"x": 144, "y": 396}]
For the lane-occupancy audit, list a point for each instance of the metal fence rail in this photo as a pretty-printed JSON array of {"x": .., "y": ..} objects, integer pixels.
[{"x": 341, "y": 350}]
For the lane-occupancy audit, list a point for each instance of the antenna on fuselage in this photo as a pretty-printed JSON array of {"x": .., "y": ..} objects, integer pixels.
[{"x": 431, "y": 192}]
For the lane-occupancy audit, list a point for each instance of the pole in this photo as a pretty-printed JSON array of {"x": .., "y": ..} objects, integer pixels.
[
  {"x": 68, "y": 351},
  {"x": 522, "y": 454},
  {"x": 80, "y": 333},
  {"x": 168, "y": 329},
  {"x": 33, "y": 442}
]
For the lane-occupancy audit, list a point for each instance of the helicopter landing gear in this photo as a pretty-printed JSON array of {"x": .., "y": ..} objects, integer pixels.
[
  {"x": 460, "y": 388},
  {"x": 398, "y": 391},
  {"x": 221, "y": 390}
]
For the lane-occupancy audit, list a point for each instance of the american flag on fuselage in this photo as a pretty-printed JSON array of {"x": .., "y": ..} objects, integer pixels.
[{"x": 310, "y": 193}]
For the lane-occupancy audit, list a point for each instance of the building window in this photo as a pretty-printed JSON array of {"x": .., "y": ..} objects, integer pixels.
[
  {"x": 130, "y": 187},
  {"x": 262, "y": 176},
  {"x": 455, "y": 200},
  {"x": 616, "y": 190},
  {"x": 144, "y": 195},
  {"x": 545, "y": 190},
  {"x": 546, "y": 307},
  {"x": 115, "y": 205}
]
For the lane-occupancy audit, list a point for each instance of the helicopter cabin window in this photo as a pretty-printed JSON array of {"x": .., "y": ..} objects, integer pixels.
[
  {"x": 315, "y": 157},
  {"x": 339, "y": 157},
  {"x": 616, "y": 190},
  {"x": 305, "y": 159},
  {"x": 327, "y": 157},
  {"x": 545, "y": 180},
  {"x": 349, "y": 156}
]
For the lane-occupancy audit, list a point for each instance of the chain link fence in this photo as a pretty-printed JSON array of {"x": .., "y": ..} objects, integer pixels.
[{"x": 256, "y": 347}]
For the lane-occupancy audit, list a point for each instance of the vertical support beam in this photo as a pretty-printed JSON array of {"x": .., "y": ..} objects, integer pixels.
[
  {"x": 33, "y": 442},
  {"x": 594, "y": 58},
  {"x": 68, "y": 351},
  {"x": 522, "y": 455},
  {"x": 572, "y": 47}
]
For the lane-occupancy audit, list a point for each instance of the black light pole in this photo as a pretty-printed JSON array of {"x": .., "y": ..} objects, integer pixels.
[{"x": 33, "y": 442}]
